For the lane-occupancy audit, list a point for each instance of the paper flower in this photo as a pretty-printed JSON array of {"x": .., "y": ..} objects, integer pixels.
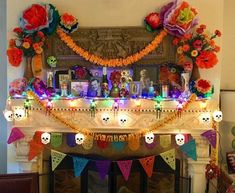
[
  {"x": 15, "y": 56},
  {"x": 206, "y": 59},
  {"x": 178, "y": 17},
  {"x": 68, "y": 23},
  {"x": 115, "y": 77},
  {"x": 17, "y": 86},
  {"x": 152, "y": 21},
  {"x": 203, "y": 86}
]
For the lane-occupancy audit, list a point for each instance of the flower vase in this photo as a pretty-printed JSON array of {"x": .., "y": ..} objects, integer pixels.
[
  {"x": 115, "y": 91},
  {"x": 28, "y": 71},
  {"x": 195, "y": 72}
]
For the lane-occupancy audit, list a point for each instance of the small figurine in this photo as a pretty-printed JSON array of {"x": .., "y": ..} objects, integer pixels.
[
  {"x": 151, "y": 90},
  {"x": 145, "y": 82}
]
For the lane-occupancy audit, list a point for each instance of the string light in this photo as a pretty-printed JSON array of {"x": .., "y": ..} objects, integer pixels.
[
  {"x": 179, "y": 108},
  {"x": 115, "y": 107},
  {"x": 93, "y": 108},
  {"x": 203, "y": 104},
  {"x": 158, "y": 108}
]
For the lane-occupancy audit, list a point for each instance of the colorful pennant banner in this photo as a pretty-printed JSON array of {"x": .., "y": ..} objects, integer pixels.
[
  {"x": 125, "y": 167},
  {"x": 147, "y": 163},
  {"x": 118, "y": 145},
  {"x": 71, "y": 139},
  {"x": 15, "y": 135},
  {"x": 56, "y": 139},
  {"x": 210, "y": 135},
  {"x": 102, "y": 167},
  {"x": 34, "y": 149},
  {"x": 190, "y": 149},
  {"x": 165, "y": 141},
  {"x": 169, "y": 158},
  {"x": 79, "y": 164},
  {"x": 56, "y": 158}
]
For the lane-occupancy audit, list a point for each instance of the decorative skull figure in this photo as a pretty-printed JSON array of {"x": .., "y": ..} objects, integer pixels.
[
  {"x": 8, "y": 114},
  {"x": 105, "y": 119},
  {"x": 45, "y": 138},
  {"x": 180, "y": 139},
  {"x": 19, "y": 113},
  {"x": 218, "y": 116},
  {"x": 149, "y": 138},
  {"x": 52, "y": 61},
  {"x": 122, "y": 120},
  {"x": 79, "y": 138},
  {"x": 205, "y": 118}
]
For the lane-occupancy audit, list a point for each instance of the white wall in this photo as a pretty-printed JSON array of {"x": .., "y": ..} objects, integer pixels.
[
  {"x": 117, "y": 13},
  {"x": 228, "y": 70}
]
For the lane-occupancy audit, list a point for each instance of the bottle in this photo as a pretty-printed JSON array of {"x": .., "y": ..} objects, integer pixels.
[
  {"x": 151, "y": 90},
  {"x": 50, "y": 79},
  {"x": 105, "y": 83}
]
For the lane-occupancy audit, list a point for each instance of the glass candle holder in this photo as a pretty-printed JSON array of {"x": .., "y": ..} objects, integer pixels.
[{"x": 165, "y": 90}]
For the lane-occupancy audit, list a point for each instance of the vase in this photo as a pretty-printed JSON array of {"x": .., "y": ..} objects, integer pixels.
[
  {"x": 28, "y": 72},
  {"x": 115, "y": 91},
  {"x": 195, "y": 72},
  {"x": 185, "y": 83}
]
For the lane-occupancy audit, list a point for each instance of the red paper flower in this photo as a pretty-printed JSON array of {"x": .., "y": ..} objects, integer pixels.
[
  {"x": 197, "y": 44},
  {"x": 203, "y": 86},
  {"x": 153, "y": 19},
  {"x": 212, "y": 171},
  {"x": 206, "y": 59},
  {"x": 18, "y": 30},
  {"x": 15, "y": 56},
  {"x": 218, "y": 33},
  {"x": 68, "y": 19},
  {"x": 175, "y": 41},
  {"x": 81, "y": 73},
  {"x": 115, "y": 77},
  {"x": 35, "y": 17}
]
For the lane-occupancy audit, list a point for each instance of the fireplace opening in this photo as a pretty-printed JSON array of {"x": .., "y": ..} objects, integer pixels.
[{"x": 163, "y": 180}]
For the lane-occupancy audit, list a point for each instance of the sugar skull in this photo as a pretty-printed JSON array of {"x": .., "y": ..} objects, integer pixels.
[
  {"x": 19, "y": 113},
  {"x": 45, "y": 138},
  {"x": 149, "y": 138},
  {"x": 79, "y": 138},
  {"x": 205, "y": 118},
  {"x": 180, "y": 139},
  {"x": 105, "y": 119},
  {"x": 122, "y": 120},
  {"x": 52, "y": 61},
  {"x": 8, "y": 114},
  {"x": 218, "y": 116}
]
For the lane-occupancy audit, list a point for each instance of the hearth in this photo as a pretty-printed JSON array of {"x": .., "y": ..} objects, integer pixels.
[{"x": 163, "y": 180}]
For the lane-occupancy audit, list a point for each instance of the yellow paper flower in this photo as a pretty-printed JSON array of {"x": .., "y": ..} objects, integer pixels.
[
  {"x": 26, "y": 45},
  {"x": 180, "y": 50},
  {"x": 194, "y": 53}
]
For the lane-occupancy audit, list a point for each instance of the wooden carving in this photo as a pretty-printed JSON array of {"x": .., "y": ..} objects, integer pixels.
[{"x": 115, "y": 42}]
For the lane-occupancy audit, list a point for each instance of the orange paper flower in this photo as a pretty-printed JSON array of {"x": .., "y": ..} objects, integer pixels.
[
  {"x": 15, "y": 56},
  {"x": 206, "y": 59}
]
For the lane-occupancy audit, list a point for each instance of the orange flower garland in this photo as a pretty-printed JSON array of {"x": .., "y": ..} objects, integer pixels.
[
  {"x": 117, "y": 62},
  {"x": 105, "y": 137}
]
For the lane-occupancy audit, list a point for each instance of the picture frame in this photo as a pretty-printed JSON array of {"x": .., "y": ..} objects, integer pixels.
[
  {"x": 94, "y": 87},
  {"x": 230, "y": 157},
  {"x": 61, "y": 76},
  {"x": 135, "y": 88},
  {"x": 79, "y": 88}
]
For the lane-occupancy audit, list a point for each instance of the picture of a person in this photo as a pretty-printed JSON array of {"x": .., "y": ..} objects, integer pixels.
[{"x": 94, "y": 88}]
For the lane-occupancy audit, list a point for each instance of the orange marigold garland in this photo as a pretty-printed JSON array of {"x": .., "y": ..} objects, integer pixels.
[{"x": 117, "y": 62}]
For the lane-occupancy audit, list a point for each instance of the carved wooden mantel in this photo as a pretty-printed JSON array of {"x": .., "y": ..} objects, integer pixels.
[{"x": 115, "y": 42}]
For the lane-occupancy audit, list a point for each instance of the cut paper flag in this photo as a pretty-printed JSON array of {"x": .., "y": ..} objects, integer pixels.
[
  {"x": 118, "y": 145},
  {"x": 147, "y": 163},
  {"x": 79, "y": 164},
  {"x": 125, "y": 167},
  {"x": 190, "y": 149},
  {"x": 169, "y": 158},
  {"x": 56, "y": 139},
  {"x": 37, "y": 137},
  {"x": 15, "y": 135},
  {"x": 102, "y": 167},
  {"x": 165, "y": 141},
  {"x": 71, "y": 140},
  {"x": 134, "y": 143},
  {"x": 102, "y": 144},
  {"x": 34, "y": 149},
  {"x": 87, "y": 143},
  {"x": 211, "y": 137},
  {"x": 56, "y": 158}
]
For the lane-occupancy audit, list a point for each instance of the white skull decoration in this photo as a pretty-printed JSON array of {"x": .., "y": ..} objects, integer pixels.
[
  {"x": 218, "y": 116},
  {"x": 149, "y": 138},
  {"x": 45, "y": 138},
  {"x": 205, "y": 118},
  {"x": 180, "y": 139},
  {"x": 122, "y": 120},
  {"x": 19, "y": 113},
  {"x": 79, "y": 138},
  {"x": 105, "y": 119},
  {"x": 8, "y": 114}
]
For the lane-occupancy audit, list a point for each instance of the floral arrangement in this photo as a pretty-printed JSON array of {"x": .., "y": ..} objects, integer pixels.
[
  {"x": 202, "y": 88},
  {"x": 68, "y": 23},
  {"x": 212, "y": 171},
  {"x": 17, "y": 86},
  {"x": 199, "y": 47},
  {"x": 152, "y": 21},
  {"x": 115, "y": 77}
]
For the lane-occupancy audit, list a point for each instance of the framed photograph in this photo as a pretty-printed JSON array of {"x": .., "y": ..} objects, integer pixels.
[
  {"x": 79, "y": 88},
  {"x": 135, "y": 88},
  {"x": 61, "y": 76},
  {"x": 230, "y": 156},
  {"x": 94, "y": 88}
]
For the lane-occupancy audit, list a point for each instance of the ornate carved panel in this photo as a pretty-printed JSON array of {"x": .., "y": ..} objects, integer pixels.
[{"x": 115, "y": 42}]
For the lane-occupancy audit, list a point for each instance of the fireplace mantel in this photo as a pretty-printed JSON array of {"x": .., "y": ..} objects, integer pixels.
[{"x": 137, "y": 119}]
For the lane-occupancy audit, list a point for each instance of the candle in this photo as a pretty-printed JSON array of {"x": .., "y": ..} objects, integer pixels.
[{"x": 165, "y": 90}]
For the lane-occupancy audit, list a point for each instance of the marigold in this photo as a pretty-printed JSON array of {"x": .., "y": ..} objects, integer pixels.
[
  {"x": 186, "y": 47},
  {"x": 216, "y": 48},
  {"x": 218, "y": 33},
  {"x": 206, "y": 59},
  {"x": 194, "y": 53},
  {"x": 26, "y": 45},
  {"x": 38, "y": 50},
  {"x": 175, "y": 41}
]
